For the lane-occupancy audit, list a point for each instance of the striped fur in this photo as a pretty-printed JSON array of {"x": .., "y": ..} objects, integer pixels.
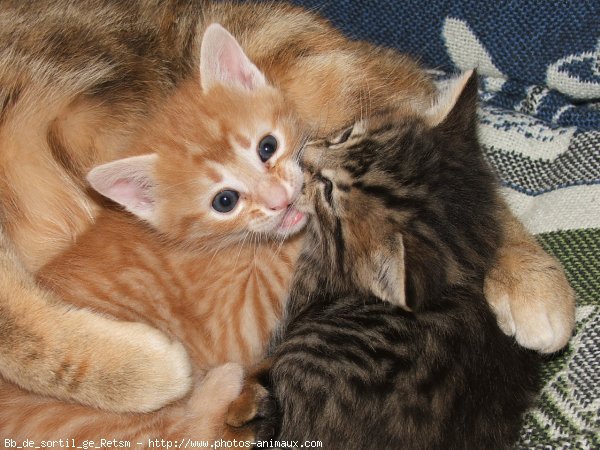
[
  {"x": 388, "y": 341},
  {"x": 79, "y": 78},
  {"x": 221, "y": 304}
]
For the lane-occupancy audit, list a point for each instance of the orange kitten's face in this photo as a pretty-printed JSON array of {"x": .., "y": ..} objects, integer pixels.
[
  {"x": 219, "y": 163},
  {"x": 233, "y": 173}
]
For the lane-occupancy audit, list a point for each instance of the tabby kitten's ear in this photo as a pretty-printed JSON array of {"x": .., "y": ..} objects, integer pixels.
[
  {"x": 457, "y": 100},
  {"x": 129, "y": 182},
  {"x": 223, "y": 61},
  {"x": 384, "y": 273}
]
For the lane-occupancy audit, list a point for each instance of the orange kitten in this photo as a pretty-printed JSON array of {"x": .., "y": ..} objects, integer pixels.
[{"x": 217, "y": 167}]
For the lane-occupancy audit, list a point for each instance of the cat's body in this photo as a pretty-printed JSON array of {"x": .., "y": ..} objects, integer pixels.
[
  {"x": 221, "y": 304},
  {"x": 404, "y": 216},
  {"x": 78, "y": 79}
]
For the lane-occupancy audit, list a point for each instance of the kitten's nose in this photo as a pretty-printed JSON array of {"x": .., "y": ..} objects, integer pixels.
[{"x": 273, "y": 195}]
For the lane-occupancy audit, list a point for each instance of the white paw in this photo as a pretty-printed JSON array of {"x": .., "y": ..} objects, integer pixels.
[
  {"x": 541, "y": 328},
  {"x": 533, "y": 325},
  {"x": 538, "y": 308}
]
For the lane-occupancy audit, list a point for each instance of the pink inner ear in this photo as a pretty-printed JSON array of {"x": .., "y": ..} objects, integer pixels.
[
  {"x": 222, "y": 60},
  {"x": 130, "y": 194},
  {"x": 234, "y": 67}
]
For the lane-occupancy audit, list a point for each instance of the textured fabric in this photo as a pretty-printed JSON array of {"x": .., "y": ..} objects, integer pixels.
[
  {"x": 540, "y": 128},
  {"x": 567, "y": 412}
]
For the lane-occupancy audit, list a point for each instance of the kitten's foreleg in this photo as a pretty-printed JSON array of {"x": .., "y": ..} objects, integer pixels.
[
  {"x": 529, "y": 292},
  {"x": 249, "y": 416},
  {"x": 80, "y": 356}
]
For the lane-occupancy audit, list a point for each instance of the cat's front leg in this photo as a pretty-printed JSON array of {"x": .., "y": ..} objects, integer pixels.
[
  {"x": 529, "y": 292},
  {"x": 76, "y": 355},
  {"x": 250, "y": 415}
]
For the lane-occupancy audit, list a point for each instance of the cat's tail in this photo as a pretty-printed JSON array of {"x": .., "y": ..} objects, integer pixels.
[{"x": 51, "y": 131}]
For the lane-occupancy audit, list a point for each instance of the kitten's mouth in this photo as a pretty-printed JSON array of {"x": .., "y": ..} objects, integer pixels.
[{"x": 292, "y": 222}]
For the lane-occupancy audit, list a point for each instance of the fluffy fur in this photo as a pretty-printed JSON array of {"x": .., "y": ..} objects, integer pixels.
[
  {"x": 78, "y": 79},
  {"x": 213, "y": 280},
  {"x": 388, "y": 341}
]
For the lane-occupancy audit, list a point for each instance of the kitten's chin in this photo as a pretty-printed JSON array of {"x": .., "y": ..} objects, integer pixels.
[{"x": 293, "y": 221}]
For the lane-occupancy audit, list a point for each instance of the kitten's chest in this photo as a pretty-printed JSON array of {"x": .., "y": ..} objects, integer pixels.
[
  {"x": 222, "y": 306},
  {"x": 231, "y": 301}
]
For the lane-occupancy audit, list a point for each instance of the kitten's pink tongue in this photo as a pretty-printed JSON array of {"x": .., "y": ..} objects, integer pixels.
[{"x": 292, "y": 217}]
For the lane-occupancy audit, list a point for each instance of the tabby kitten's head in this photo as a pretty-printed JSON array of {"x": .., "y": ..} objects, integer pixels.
[
  {"x": 217, "y": 163},
  {"x": 394, "y": 192}
]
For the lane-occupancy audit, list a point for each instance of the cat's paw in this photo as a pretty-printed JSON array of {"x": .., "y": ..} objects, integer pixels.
[
  {"x": 532, "y": 299},
  {"x": 169, "y": 375},
  {"x": 141, "y": 369},
  {"x": 202, "y": 415},
  {"x": 249, "y": 415},
  {"x": 221, "y": 385}
]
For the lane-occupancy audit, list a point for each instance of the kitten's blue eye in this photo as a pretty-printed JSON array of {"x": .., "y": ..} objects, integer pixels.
[
  {"x": 267, "y": 147},
  {"x": 225, "y": 201}
]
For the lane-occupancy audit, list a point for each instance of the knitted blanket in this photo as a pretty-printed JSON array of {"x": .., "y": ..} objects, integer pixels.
[{"x": 540, "y": 129}]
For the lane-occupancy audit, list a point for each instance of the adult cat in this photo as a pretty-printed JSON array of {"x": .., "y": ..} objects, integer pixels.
[
  {"x": 78, "y": 78},
  {"x": 388, "y": 341}
]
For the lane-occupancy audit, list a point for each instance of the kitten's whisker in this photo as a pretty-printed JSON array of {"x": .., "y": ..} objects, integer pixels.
[
  {"x": 365, "y": 104},
  {"x": 247, "y": 234},
  {"x": 253, "y": 245},
  {"x": 214, "y": 254},
  {"x": 281, "y": 240}
]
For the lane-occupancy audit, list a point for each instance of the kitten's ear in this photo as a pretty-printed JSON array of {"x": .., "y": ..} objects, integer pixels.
[
  {"x": 129, "y": 182},
  {"x": 388, "y": 275},
  {"x": 223, "y": 61},
  {"x": 457, "y": 100},
  {"x": 390, "y": 281}
]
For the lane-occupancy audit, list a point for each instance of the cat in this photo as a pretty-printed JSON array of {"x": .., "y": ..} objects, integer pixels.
[
  {"x": 201, "y": 254},
  {"x": 388, "y": 341},
  {"x": 79, "y": 78}
]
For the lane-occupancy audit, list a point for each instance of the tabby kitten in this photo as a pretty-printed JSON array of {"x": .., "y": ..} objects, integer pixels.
[
  {"x": 388, "y": 341},
  {"x": 200, "y": 258}
]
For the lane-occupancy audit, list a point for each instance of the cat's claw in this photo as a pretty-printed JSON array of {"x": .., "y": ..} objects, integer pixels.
[{"x": 535, "y": 305}]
